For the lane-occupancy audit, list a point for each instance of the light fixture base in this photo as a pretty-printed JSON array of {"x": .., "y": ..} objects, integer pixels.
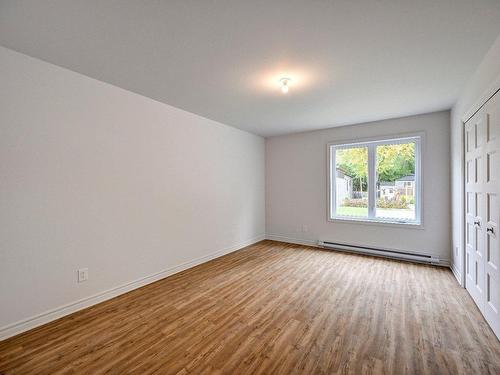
[{"x": 284, "y": 84}]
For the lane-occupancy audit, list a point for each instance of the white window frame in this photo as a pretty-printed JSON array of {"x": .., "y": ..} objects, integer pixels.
[{"x": 371, "y": 144}]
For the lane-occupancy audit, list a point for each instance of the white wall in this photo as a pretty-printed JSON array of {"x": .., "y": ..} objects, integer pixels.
[
  {"x": 95, "y": 176},
  {"x": 485, "y": 79},
  {"x": 296, "y": 187}
]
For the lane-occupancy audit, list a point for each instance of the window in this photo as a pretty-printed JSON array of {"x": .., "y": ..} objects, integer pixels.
[{"x": 376, "y": 181}]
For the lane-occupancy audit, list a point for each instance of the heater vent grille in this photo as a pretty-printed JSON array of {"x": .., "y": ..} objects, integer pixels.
[{"x": 423, "y": 258}]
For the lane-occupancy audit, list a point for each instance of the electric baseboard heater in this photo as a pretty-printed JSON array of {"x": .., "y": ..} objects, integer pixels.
[{"x": 423, "y": 258}]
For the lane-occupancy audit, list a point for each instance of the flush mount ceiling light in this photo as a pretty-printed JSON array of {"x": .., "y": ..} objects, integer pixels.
[{"x": 284, "y": 84}]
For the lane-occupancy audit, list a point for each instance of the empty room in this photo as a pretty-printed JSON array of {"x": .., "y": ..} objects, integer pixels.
[{"x": 250, "y": 187}]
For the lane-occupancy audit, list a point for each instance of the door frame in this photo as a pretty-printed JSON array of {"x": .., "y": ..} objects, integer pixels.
[{"x": 487, "y": 95}]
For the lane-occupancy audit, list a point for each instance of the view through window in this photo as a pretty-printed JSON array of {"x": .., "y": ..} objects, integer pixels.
[
  {"x": 352, "y": 181},
  {"x": 376, "y": 181}
]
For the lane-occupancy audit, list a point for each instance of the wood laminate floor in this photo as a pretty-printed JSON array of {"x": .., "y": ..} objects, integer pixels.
[{"x": 272, "y": 308}]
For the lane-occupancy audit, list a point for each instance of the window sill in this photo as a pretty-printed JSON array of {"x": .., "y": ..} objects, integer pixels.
[{"x": 385, "y": 223}]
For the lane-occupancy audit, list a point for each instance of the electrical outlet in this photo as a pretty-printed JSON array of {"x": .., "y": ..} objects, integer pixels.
[{"x": 83, "y": 275}]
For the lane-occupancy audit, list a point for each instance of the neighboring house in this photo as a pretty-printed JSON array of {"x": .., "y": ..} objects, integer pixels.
[
  {"x": 343, "y": 185},
  {"x": 387, "y": 190},
  {"x": 402, "y": 186},
  {"x": 405, "y": 185}
]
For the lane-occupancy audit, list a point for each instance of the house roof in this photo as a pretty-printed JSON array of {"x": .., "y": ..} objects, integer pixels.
[
  {"x": 386, "y": 183},
  {"x": 343, "y": 171},
  {"x": 410, "y": 177}
]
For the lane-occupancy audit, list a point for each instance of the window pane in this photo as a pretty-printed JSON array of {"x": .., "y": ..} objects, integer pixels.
[
  {"x": 396, "y": 181},
  {"x": 352, "y": 181}
]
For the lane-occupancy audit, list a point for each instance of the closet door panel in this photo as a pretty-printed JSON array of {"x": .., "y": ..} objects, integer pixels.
[
  {"x": 475, "y": 138},
  {"x": 491, "y": 190}
]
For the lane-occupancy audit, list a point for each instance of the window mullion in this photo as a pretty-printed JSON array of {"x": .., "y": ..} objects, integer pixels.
[{"x": 372, "y": 191}]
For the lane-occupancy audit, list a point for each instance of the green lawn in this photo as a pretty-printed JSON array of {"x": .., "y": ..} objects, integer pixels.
[
  {"x": 396, "y": 213},
  {"x": 352, "y": 211}
]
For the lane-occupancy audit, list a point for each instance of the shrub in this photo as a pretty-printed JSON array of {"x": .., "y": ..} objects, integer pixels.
[
  {"x": 400, "y": 203},
  {"x": 409, "y": 199},
  {"x": 355, "y": 202},
  {"x": 392, "y": 203}
]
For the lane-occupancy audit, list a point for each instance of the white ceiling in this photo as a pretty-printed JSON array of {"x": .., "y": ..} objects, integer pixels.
[{"x": 350, "y": 60}]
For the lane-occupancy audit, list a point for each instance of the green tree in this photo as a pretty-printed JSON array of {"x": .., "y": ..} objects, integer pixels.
[
  {"x": 393, "y": 162},
  {"x": 354, "y": 163}
]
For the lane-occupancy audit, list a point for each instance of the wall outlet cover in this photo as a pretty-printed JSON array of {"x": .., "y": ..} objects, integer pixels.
[{"x": 83, "y": 274}]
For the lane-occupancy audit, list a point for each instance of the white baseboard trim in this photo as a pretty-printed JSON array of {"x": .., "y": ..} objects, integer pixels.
[
  {"x": 296, "y": 241},
  {"x": 59, "y": 312},
  {"x": 456, "y": 272}
]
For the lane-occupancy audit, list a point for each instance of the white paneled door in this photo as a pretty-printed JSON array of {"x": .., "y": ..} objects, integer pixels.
[{"x": 482, "y": 210}]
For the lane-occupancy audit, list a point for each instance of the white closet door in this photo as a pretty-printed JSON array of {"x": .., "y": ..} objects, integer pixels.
[
  {"x": 482, "y": 210},
  {"x": 492, "y": 213},
  {"x": 474, "y": 262}
]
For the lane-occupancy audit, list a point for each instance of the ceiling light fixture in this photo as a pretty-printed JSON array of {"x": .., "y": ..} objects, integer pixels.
[{"x": 284, "y": 84}]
